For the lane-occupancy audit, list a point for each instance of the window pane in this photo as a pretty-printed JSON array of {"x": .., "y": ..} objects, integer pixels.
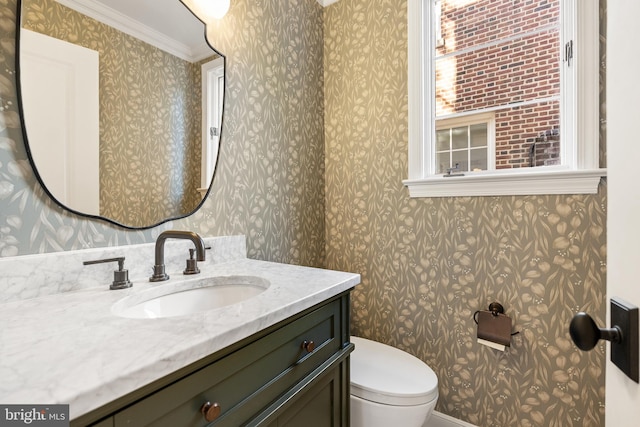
[
  {"x": 443, "y": 162},
  {"x": 518, "y": 128},
  {"x": 461, "y": 157},
  {"x": 442, "y": 137},
  {"x": 497, "y": 54},
  {"x": 471, "y": 23},
  {"x": 459, "y": 138},
  {"x": 518, "y": 70},
  {"x": 479, "y": 159},
  {"x": 478, "y": 135}
]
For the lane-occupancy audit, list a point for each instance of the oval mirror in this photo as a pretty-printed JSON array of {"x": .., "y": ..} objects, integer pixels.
[{"x": 122, "y": 106}]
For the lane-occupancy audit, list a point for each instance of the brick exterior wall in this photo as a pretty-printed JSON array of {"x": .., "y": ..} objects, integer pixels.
[
  {"x": 519, "y": 127},
  {"x": 519, "y": 70}
]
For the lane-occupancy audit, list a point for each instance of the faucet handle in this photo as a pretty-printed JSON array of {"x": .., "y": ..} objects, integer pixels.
[
  {"x": 192, "y": 264},
  {"x": 120, "y": 276}
]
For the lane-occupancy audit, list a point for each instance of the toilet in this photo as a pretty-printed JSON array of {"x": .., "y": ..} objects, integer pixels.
[{"x": 390, "y": 387}]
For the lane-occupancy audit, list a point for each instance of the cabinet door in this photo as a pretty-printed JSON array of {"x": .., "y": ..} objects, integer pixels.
[
  {"x": 245, "y": 382},
  {"x": 104, "y": 423},
  {"x": 325, "y": 404}
]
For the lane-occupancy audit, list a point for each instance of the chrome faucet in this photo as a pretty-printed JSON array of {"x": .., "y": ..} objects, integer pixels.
[{"x": 158, "y": 269}]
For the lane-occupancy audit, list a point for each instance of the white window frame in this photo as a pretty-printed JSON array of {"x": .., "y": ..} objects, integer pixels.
[
  {"x": 438, "y": 23},
  {"x": 212, "y": 99},
  {"x": 579, "y": 172}
]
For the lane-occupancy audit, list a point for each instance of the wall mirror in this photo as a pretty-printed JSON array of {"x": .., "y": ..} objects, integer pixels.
[{"x": 122, "y": 106}]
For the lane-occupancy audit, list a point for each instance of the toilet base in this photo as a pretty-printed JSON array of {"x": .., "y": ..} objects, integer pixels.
[{"x": 365, "y": 413}]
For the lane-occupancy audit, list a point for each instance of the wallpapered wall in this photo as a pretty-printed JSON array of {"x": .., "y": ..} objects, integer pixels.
[
  {"x": 269, "y": 182},
  {"x": 428, "y": 264},
  {"x": 147, "y": 130}
]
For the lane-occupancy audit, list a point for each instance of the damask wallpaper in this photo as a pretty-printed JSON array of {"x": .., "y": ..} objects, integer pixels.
[
  {"x": 147, "y": 130},
  {"x": 428, "y": 264},
  {"x": 312, "y": 158}
]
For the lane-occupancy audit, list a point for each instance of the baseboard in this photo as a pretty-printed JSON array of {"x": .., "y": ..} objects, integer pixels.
[{"x": 439, "y": 419}]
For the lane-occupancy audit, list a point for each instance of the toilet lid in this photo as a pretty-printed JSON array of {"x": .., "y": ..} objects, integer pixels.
[{"x": 387, "y": 375}]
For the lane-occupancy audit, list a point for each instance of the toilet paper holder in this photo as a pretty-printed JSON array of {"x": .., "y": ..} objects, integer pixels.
[
  {"x": 493, "y": 325},
  {"x": 495, "y": 308}
]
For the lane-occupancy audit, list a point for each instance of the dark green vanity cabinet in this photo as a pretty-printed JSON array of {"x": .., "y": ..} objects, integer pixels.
[{"x": 293, "y": 373}]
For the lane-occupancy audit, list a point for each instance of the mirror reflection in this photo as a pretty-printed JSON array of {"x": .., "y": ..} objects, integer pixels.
[{"x": 122, "y": 105}]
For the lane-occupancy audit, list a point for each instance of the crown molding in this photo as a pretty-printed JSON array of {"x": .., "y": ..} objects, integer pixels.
[{"x": 127, "y": 25}]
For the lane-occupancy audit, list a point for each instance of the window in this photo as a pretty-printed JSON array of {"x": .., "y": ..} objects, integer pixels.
[
  {"x": 465, "y": 145},
  {"x": 212, "y": 106},
  {"x": 508, "y": 91},
  {"x": 437, "y": 18}
]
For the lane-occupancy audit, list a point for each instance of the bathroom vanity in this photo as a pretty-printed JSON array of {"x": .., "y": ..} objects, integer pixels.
[
  {"x": 279, "y": 358},
  {"x": 293, "y": 373}
]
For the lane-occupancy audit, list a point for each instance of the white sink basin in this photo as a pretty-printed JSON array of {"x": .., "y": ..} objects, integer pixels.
[{"x": 190, "y": 297}]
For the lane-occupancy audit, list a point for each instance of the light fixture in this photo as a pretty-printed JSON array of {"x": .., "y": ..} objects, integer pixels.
[{"x": 214, "y": 8}]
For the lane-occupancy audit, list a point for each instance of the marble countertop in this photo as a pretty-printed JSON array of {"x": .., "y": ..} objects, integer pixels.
[{"x": 69, "y": 348}]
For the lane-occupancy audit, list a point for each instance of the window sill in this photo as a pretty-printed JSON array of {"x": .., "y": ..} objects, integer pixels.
[{"x": 508, "y": 183}]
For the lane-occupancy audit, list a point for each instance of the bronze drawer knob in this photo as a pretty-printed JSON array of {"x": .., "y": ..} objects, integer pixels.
[
  {"x": 309, "y": 346},
  {"x": 211, "y": 411}
]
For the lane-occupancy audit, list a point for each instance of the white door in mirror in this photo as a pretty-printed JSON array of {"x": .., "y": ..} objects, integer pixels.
[{"x": 61, "y": 108}]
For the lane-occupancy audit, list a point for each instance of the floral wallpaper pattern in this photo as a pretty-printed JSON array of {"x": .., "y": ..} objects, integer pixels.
[
  {"x": 147, "y": 130},
  {"x": 428, "y": 264}
]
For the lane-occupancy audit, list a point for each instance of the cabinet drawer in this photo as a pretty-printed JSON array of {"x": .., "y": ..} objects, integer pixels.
[{"x": 246, "y": 381}]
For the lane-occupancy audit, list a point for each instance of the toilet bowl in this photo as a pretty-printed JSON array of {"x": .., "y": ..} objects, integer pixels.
[{"x": 390, "y": 387}]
